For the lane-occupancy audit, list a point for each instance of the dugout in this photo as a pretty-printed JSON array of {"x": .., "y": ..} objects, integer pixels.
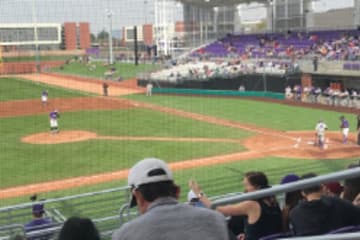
[{"x": 251, "y": 82}]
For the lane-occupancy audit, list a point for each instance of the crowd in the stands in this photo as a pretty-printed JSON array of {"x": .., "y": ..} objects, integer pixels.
[
  {"x": 330, "y": 45},
  {"x": 314, "y": 210},
  {"x": 332, "y": 96}
]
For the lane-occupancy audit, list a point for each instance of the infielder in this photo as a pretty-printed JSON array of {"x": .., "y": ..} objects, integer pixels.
[
  {"x": 44, "y": 97},
  {"x": 54, "y": 127},
  {"x": 320, "y": 133},
  {"x": 344, "y": 129}
]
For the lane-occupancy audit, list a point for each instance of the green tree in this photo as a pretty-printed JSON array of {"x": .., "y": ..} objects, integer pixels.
[
  {"x": 103, "y": 35},
  {"x": 92, "y": 38}
]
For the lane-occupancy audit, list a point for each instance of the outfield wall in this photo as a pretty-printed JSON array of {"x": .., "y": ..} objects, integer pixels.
[
  {"x": 253, "y": 82},
  {"x": 259, "y": 82}
]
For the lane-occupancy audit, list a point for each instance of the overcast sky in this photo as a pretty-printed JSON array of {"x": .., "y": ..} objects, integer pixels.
[{"x": 126, "y": 12}]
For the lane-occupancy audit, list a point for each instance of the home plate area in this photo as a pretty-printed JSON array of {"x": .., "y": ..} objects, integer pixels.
[{"x": 302, "y": 145}]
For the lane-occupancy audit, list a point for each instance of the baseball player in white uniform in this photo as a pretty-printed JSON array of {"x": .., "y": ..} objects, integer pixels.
[
  {"x": 320, "y": 129},
  {"x": 54, "y": 127},
  {"x": 149, "y": 88},
  {"x": 44, "y": 97}
]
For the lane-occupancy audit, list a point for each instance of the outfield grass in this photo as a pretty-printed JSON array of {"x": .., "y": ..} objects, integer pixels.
[
  {"x": 24, "y": 163},
  {"x": 270, "y": 115},
  {"x": 33, "y": 58},
  {"x": 37, "y": 163},
  {"x": 16, "y": 89},
  {"x": 123, "y": 70}
]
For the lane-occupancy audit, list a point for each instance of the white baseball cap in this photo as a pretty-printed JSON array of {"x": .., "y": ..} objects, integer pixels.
[{"x": 149, "y": 170}]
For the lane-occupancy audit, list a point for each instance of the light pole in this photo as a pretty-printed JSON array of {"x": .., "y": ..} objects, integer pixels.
[
  {"x": 145, "y": 11},
  {"x": 36, "y": 38},
  {"x": 109, "y": 14},
  {"x": 271, "y": 3}
]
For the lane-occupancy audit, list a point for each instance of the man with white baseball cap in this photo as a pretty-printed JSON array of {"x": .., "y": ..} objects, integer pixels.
[{"x": 162, "y": 216}]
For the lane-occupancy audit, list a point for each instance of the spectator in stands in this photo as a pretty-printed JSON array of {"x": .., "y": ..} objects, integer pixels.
[
  {"x": 317, "y": 93},
  {"x": 162, "y": 216},
  {"x": 38, "y": 222},
  {"x": 351, "y": 186},
  {"x": 354, "y": 97},
  {"x": 333, "y": 189},
  {"x": 194, "y": 200},
  {"x": 288, "y": 93},
  {"x": 19, "y": 237},
  {"x": 297, "y": 92},
  {"x": 356, "y": 201},
  {"x": 291, "y": 200},
  {"x": 76, "y": 228},
  {"x": 321, "y": 214},
  {"x": 263, "y": 216},
  {"x": 242, "y": 88}
]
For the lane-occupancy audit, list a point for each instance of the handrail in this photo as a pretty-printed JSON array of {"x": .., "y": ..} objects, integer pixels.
[
  {"x": 342, "y": 236},
  {"x": 25, "y": 205},
  {"x": 301, "y": 184}
]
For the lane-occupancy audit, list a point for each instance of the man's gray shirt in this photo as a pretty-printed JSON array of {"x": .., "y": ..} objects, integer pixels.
[{"x": 167, "y": 219}]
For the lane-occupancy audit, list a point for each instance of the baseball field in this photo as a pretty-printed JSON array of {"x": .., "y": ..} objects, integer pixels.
[{"x": 214, "y": 140}]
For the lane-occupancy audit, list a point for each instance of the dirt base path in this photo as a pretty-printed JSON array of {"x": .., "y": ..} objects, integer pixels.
[
  {"x": 82, "y": 84},
  {"x": 33, "y": 107},
  {"x": 79, "y": 136},
  {"x": 265, "y": 142}
]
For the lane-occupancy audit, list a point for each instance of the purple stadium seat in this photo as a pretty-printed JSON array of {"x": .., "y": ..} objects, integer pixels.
[
  {"x": 276, "y": 236},
  {"x": 242, "y": 43}
]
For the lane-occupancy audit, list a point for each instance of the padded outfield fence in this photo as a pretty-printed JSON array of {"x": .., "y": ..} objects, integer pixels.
[{"x": 218, "y": 93}]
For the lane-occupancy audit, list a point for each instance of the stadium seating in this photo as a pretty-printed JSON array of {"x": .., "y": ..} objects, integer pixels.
[
  {"x": 348, "y": 229},
  {"x": 332, "y": 45},
  {"x": 276, "y": 236}
]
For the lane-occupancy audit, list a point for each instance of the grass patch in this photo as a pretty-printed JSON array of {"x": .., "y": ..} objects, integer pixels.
[
  {"x": 33, "y": 58},
  {"x": 218, "y": 179},
  {"x": 270, "y": 115},
  {"x": 37, "y": 163},
  {"x": 123, "y": 70},
  {"x": 18, "y": 89}
]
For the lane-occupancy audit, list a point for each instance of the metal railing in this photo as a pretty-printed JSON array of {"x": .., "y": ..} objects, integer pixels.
[
  {"x": 109, "y": 209},
  {"x": 301, "y": 184},
  {"x": 342, "y": 236},
  {"x": 101, "y": 206}
]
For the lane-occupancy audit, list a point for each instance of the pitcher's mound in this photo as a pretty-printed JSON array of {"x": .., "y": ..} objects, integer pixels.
[{"x": 60, "y": 137}]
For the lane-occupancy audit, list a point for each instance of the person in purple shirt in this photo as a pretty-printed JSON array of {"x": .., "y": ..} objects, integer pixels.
[
  {"x": 54, "y": 127},
  {"x": 344, "y": 129},
  {"x": 38, "y": 222}
]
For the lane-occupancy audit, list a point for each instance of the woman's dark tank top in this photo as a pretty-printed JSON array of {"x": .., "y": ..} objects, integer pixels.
[{"x": 268, "y": 223}]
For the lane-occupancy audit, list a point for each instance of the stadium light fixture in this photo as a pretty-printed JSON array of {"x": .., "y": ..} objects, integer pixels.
[
  {"x": 109, "y": 14},
  {"x": 36, "y": 37}
]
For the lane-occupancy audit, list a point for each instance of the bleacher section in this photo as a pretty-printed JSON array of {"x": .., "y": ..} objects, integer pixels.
[
  {"x": 332, "y": 45},
  {"x": 208, "y": 70}
]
